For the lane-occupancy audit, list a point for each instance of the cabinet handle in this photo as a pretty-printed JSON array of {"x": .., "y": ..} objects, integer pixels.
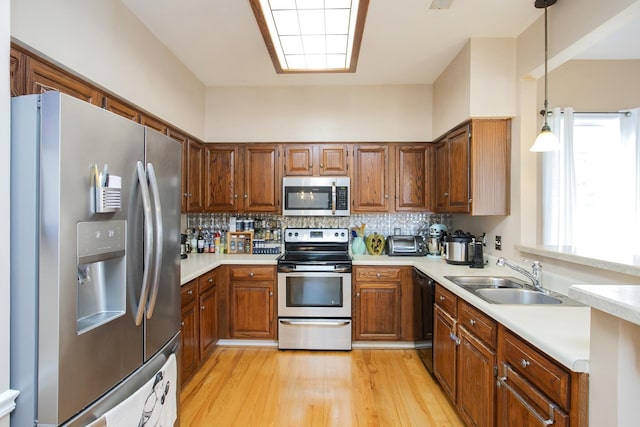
[
  {"x": 472, "y": 322},
  {"x": 311, "y": 165},
  {"x": 246, "y": 196},
  {"x": 202, "y": 308},
  {"x": 446, "y": 194},
  {"x": 210, "y": 280},
  {"x": 182, "y": 324},
  {"x": 322, "y": 165},
  {"x": 442, "y": 298},
  {"x": 251, "y": 274},
  {"x": 524, "y": 363},
  {"x": 357, "y": 294},
  {"x": 270, "y": 293},
  {"x": 235, "y": 196},
  {"x": 189, "y": 292},
  {"x": 378, "y": 275},
  {"x": 185, "y": 194},
  {"x": 386, "y": 196},
  {"x": 454, "y": 338}
]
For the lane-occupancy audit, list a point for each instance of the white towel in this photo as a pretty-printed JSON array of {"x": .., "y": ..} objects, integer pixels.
[{"x": 153, "y": 405}]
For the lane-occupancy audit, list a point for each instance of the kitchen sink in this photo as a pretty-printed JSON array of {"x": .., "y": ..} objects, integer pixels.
[
  {"x": 476, "y": 282},
  {"x": 509, "y": 290},
  {"x": 516, "y": 296}
]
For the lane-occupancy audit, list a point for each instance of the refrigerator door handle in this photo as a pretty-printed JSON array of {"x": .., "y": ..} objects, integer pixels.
[
  {"x": 148, "y": 241},
  {"x": 158, "y": 238}
]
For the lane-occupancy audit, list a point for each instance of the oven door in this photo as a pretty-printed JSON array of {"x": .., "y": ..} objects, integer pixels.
[{"x": 314, "y": 294}]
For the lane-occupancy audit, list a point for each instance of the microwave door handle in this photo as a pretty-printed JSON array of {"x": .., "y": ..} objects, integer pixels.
[
  {"x": 158, "y": 237},
  {"x": 148, "y": 241},
  {"x": 333, "y": 198}
]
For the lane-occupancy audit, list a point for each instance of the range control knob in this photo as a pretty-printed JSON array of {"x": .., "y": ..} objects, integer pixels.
[
  {"x": 295, "y": 234},
  {"x": 335, "y": 234}
]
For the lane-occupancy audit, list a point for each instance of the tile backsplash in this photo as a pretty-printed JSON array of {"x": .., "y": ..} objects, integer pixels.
[{"x": 385, "y": 224}]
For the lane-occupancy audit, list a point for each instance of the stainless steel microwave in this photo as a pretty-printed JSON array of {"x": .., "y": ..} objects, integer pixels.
[{"x": 316, "y": 196}]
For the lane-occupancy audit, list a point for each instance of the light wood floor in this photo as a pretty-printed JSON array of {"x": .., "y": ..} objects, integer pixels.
[{"x": 268, "y": 387}]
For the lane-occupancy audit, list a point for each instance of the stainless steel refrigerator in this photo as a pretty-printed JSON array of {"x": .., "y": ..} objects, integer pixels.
[{"x": 95, "y": 265}]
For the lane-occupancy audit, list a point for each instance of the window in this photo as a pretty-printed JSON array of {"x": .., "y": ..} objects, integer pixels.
[
  {"x": 312, "y": 35},
  {"x": 591, "y": 187}
]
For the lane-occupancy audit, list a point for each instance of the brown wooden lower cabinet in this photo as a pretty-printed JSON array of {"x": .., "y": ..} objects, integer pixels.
[
  {"x": 252, "y": 301},
  {"x": 199, "y": 324},
  {"x": 535, "y": 390},
  {"x": 382, "y": 305},
  {"x": 189, "y": 330},
  {"x": 495, "y": 378}
]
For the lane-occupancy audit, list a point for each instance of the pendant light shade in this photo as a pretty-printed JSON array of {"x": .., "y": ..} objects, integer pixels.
[{"x": 546, "y": 140}]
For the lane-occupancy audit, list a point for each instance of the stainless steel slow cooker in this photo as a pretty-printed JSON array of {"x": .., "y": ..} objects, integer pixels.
[{"x": 458, "y": 248}]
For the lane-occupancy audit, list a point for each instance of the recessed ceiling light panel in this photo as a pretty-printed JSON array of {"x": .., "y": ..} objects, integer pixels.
[
  {"x": 440, "y": 4},
  {"x": 312, "y": 35}
]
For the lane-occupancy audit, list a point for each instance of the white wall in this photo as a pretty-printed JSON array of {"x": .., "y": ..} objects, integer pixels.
[
  {"x": 479, "y": 82},
  {"x": 104, "y": 42},
  {"x": 317, "y": 114},
  {"x": 5, "y": 154},
  {"x": 451, "y": 93}
]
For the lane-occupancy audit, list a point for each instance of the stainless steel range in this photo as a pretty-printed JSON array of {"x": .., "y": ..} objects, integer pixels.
[{"x": 314, "y": 290}]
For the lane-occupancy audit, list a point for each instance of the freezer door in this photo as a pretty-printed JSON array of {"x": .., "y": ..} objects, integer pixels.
[
  {"x": 164, "y": 169},
  {"x": 86, "y": 341}
]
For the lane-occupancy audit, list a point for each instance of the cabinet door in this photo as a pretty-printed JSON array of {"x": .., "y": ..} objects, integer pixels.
[
  {"x": 333, "y": 160},
  {"x": 184, "y": 141},
  {"x": 476, "y": 384},
  {"x": 441, "y": 156},
  {"x": 444, "y": 351},
  {"x": 17, "y": 72},
  {"x": 370, "y": 186},
  {"x": 189, "y": 330},
  {"x": 262, "y": 178},
  {"x": 298, "y": 160},
  {"x": 377, "y": 311},
  {"x": 42, "y": 78},
  {"x": 208, "y": 321},
  {"x": 411, "y": 179},
  {"x": 458, "y": 200},
  {"x": 221, "y": 192},
  {"x": 121, "y": 109},
  {"x": 153, "y": 123},
  {"x": 195, "y": 159},
  {"x": 252, "y": 309}
]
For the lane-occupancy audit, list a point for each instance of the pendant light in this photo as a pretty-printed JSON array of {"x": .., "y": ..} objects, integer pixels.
[{"x": 546, "y": 140}]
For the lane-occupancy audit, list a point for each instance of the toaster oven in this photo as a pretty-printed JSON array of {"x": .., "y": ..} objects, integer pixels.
[{"x": 406, "y": 245}]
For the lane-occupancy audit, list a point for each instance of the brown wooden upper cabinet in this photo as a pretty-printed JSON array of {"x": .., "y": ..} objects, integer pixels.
[
  {"x": 193, "y": 152},
  {"x": 221, "y": 185},
  {"x": 17, "y": 70},
  {"x": 472, "y": 168},
  {"x": 370, "y": 178},
  {"x": 41, "y": 77},
  {"x": 414, "y": 177},
  {"x": 243, "y": 178},
  {"x": 316, "y": 159},
  {"x": 121, "y": 109}
]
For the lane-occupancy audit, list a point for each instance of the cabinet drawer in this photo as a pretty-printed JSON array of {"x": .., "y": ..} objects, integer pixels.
[
  {"x": 378, "y": 273},
  {"x": 189, "y": 292},
  {"x": 446, "y": 300},
  {"x": 533, "y": 365},
  {"x": 207, "y": 281},
  {"x": 479, "y": 324},
  {"x": 252, "y": 272}
]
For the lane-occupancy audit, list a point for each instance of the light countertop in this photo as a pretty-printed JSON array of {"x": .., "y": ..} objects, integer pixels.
[
  {"x": 621, "y": 301},
  {"x": 560, "y": 331}
]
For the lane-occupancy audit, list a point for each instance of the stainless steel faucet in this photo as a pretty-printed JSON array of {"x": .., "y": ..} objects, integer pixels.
[{"x": 536, "y": 271}]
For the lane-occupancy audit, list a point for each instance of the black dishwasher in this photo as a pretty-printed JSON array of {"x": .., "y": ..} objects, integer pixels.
[{"x": 424, "y": 294}]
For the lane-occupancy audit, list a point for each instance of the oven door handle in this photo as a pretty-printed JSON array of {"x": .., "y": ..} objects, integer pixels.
[{"x": 321, "y": 323}]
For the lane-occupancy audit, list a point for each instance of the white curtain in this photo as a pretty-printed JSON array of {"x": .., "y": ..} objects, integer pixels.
[
  {"x": 559, "y": 183},
  {"x": 630, "y": 134}
]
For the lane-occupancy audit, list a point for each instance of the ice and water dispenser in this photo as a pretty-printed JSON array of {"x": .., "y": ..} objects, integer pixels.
[{"x": 101, "y": 258}]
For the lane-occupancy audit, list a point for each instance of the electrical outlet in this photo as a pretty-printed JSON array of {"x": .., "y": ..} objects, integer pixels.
[{"x": 498, "y": 243}]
